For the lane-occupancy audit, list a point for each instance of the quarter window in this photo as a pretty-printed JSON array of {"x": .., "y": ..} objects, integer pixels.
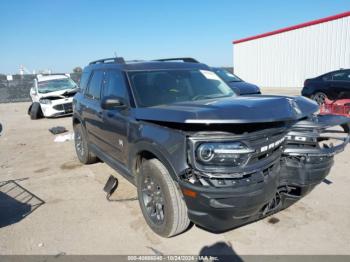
[
  {"x": 84, "y": 80},
  {"x": 327, "y": 77}
]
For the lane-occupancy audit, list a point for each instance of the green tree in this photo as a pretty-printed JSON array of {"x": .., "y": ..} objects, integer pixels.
[{"x": 78, "y": 70}]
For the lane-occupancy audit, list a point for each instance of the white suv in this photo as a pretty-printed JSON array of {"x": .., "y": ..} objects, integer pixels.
[{"x": 52, "y": 96}]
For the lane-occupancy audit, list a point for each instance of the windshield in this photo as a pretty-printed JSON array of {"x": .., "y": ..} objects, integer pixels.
[
  {"x": 153, "y": 88},
  {"x": 227, "y": 76},
  {"x": 56, "y": 85}
]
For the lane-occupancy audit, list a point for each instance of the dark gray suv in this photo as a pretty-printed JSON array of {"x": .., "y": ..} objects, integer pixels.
[{"x": 196, "y": 151}]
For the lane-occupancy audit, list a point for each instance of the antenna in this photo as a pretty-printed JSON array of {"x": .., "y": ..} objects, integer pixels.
[
  {"x": 115, "y": 54},
  {"x": 23, "y": 69}
]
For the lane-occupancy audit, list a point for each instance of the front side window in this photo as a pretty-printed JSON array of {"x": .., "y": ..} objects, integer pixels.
[
  {"x": 94, "y": 90},
  {"x": 114, "y": 85},
  {"x": 55, "y": 85},
  {"x": 158, "y": 87}
]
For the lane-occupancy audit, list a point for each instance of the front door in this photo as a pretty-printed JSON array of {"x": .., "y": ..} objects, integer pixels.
[{"x": 116, "y": 121}]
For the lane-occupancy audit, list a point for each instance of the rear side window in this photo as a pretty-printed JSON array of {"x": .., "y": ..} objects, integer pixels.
[
  {"x": 115, "y": 85},
  {"x": 347, "y": 75},
  {"x": 340, "y": 76},
  {"x": 94, "y": 89},
  {"x": 84, "y": 81}
]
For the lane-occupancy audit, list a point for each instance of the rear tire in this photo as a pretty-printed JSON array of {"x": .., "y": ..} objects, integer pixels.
[
  {"x": 35, "y": 111},
  {"x": 81, "y": 147},
  {"x": 161, "y": 202},
  {"x": 319, "y": 98}
]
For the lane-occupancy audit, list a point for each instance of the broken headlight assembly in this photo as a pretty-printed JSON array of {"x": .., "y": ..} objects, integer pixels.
[
  {"x": 221, "y": 154},
  {"x": 45, "y": 101}
]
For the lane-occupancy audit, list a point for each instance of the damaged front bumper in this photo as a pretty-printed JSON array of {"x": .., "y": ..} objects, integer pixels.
[
  {"x": 309, "y": 154},
  {"x": 221, "y": 208},
  {"x": 221, "y": 203},
  {"x": 58, "y": 107}
]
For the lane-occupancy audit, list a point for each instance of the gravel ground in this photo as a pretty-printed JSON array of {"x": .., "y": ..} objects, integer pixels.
[{"x": 67, "y": 211}]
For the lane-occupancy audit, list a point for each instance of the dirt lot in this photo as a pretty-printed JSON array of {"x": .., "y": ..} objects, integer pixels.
[{"x": 67, "y": 212}]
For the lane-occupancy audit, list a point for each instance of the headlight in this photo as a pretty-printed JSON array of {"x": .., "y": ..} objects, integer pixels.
[
  {"x": 223, "y": 154},
  {"x": 45, "y": 101}
]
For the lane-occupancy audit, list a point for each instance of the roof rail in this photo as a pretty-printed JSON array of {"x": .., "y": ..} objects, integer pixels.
[
  {"x": 183, "y": 59},
  {"x": 116, "y": 60},
  {"x": 134, "y": 61}
]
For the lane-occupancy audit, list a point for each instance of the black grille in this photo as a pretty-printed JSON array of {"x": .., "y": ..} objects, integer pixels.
[
  {"x": 67, "y": 108},
  {"x": 58, "y": 107},
  {"x": 261, "y": 142}
]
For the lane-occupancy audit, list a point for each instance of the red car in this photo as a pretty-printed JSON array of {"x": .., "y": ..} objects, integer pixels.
[{"x": 336, "y": 107}]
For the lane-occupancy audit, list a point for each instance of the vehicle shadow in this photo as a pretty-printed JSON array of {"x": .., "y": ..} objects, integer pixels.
[
  {"x": 16, "y": 203},
  {"x": 58, "y": 117},
  {"x": 222, "y": 251}
]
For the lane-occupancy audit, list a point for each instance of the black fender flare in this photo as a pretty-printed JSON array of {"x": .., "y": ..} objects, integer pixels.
[
  {"x": 77, "y": 118},
  {"x": 157, "y": 151}
]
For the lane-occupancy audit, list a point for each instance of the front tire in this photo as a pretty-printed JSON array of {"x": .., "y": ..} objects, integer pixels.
[
  {"x": 35, "y": 111},
  {"x": 161, "y": 203},
  {"x": 81, "y": 147}
]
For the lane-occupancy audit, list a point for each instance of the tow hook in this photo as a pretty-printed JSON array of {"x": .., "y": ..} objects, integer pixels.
[{"x": 274, "y": 204}]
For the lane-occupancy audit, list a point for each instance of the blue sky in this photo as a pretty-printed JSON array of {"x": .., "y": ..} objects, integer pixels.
[{"x": 60, "y": 35}]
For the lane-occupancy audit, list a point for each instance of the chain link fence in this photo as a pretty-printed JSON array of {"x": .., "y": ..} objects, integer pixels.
[{"x": 17, "y": 89}]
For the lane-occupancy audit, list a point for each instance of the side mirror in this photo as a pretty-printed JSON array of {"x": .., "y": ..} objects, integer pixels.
[
  {"x": 113, "y": 102},
  {"x": 32, "y": 91},
  {"x": 236, "y": 90}
]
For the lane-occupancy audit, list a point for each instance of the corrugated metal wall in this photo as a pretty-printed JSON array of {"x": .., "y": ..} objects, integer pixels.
[{"x": 288, "y": 58}]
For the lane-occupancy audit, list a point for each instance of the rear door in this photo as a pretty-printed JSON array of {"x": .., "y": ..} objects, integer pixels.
[
  {"x": 340, "y": 84},
  {"x": 92, "y": 112},
  {"x": 116, "y": 121}
]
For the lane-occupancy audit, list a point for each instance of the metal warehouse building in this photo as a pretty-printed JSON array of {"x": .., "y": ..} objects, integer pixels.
[{"x": 286, "y": 57}]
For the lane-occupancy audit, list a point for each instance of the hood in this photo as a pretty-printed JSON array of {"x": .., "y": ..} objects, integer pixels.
[
  {"x": 60, "y": 93},
  {"x": 244, "y": 87},
  {"x": 239, "y": 110}
]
